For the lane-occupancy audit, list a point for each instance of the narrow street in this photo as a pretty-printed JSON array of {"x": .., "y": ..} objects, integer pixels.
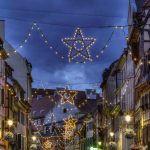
[{"x": 75, "y": 75}]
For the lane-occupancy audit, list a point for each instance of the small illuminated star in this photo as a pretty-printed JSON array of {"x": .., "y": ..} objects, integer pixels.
[
  {"x": 67, "y": 96},
  {"x": 68, "y": 134},
  {"x": 70, "y": 125},
  {"x": 47, "y": 144},
  {"x": 79, "y": 46},
  {"x": 70, "y": 122}
]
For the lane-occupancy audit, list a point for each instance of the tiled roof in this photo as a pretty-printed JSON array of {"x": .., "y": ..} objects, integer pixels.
[{"x": 43, "y": 104}]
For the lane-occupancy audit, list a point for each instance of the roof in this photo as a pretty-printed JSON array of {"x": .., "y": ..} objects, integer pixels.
[
  {"x": 43, "y": 92},
  {"x": 41, "y": 106},
  {"x": 107, "y": 72},
  {"x": 45, "y": 102}
]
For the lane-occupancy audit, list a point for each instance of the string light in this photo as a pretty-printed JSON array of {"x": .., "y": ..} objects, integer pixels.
[
  {"x": 35, "y": 26},
  {"x": 97, "y": 56},
  {"x": 79, "y": 46}
]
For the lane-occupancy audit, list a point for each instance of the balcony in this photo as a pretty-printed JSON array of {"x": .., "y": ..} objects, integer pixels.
[
  {"x": 146, "y": 116},
  {"x": 137, "y": 105}
]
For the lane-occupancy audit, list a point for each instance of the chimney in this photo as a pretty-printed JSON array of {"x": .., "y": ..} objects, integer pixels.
[{"x": 2, "y": 29}]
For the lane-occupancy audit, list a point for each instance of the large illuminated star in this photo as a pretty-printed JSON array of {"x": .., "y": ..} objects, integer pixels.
[
  {"x": 79, "y": 46},
  {"x": 67, "y": 96},
  {"x": 68, "y": 134},
  {"x": 70, "y": 122}
]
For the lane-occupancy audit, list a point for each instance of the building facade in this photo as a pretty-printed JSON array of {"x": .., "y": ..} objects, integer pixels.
[
  {"x": 126, "y": 85},
  {"x": 15, "y": 97},
  {"x": 48, "y": 114},
  {"x": 139, "y": 41}
]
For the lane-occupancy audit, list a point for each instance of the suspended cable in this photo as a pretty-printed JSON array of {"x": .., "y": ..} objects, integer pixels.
[
  {"x": 61, "y": 12},
  {"x": 66, "y": 25}
]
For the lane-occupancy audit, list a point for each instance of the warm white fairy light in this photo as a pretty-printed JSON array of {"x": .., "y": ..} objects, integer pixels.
[
  {"x": 85, "y": 45},
  {"x": 88, "y": 57}
]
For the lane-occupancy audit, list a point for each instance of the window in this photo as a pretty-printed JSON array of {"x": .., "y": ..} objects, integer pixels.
[
  {"x": 10, "y": 99},
  {"x": 22, "y": 118},
  {"x": 22, "y": 95},
  {"x": 145, "y": 135},
  {"x": 1, "y": 96},
  {"x": 39, "y": 122},
  {"x": 1, "y": 43},
  {"x": 39, "y": 97},
  {"x": 20, "y": 142},
  {"x": 27, "y": 121},
  {"x": 15, "y": 116},
  {"x": 145, "y": 101},
  {"x": 44, "y": 131},
  {"x": 19, "y": 116},
  {"x": 47, "y": 129}
]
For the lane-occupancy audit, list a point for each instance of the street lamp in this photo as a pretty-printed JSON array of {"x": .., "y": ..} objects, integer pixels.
[
  {"x": 127, "y": 118},
  {"x": 92, "y": 148},
  {"x": 34, "y": 138},
  {"x": 111, "y": 134},
  {"x": 99, "y": 143},
  {"x": 10, "y": 122}
]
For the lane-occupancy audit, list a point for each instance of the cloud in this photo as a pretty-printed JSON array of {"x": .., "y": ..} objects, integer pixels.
[{"x": 58, "y": 20}]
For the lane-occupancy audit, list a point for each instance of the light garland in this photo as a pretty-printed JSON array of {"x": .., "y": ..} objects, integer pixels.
[
  {"x": 35, "y": 26},
  {"x": 68, "y": 135},
  {"x": 79, "y": 46},
  {"x": 101, "y": 51}
]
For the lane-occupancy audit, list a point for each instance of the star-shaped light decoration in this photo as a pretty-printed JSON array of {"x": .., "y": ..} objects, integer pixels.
[
  {"x": 79, "y": 46},
  {"x": 67, "y": 96},
  {"x": 47, "y": 144},
  {"x": 70, "y": 125},
  {"x": 70, "y": 122},
  {"x": 68, "y": 134}
]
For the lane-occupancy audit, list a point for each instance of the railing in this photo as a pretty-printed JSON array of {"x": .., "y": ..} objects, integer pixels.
[
  {"x": 146, "y": 115},
  {"x": 137, "y": 105}
]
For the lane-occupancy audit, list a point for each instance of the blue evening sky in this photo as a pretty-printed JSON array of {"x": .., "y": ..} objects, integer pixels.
[{"x": 59, "y": 19}]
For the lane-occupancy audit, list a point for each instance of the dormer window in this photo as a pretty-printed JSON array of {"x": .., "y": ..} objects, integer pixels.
[{"x": 41, "y": 111}]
